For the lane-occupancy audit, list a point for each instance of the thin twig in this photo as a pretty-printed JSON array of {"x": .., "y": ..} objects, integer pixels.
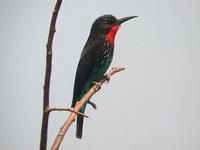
[
  {"x": 78, "y": 105},
  {"x": 45, "y": 117},
  {"x": 66, "y": 109}
]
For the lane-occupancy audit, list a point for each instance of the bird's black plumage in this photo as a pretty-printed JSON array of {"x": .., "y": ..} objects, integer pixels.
[{"x": 95, "y": 59}]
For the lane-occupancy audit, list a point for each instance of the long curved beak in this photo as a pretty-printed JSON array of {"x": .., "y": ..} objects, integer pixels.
[{"x": 122, "y": 20}]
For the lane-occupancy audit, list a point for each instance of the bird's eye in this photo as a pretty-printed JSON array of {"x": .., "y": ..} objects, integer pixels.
[{"x": 105, "y": 21}]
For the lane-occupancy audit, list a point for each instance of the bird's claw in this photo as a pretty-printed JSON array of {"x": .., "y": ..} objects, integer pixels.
[{"x": 107, "y": 78}]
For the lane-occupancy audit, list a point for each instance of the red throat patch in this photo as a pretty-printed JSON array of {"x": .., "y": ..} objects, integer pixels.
[{"x": 111, "y": 35}]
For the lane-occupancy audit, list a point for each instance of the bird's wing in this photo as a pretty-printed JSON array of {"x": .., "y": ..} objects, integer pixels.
[{"x": 84, "y": 69}]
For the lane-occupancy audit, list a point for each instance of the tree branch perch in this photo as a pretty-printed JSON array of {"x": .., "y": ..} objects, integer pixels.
[{"x": 79, "y": 104}]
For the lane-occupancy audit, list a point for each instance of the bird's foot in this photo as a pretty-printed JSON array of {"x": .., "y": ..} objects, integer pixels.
[
  {"x": 92, "y": 104},
  {"x": 107, "y": 78},
  {"x": 97, "y": 86}
]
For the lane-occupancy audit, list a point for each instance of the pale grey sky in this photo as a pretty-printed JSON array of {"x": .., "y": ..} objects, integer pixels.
[{"x": 152, "y": 105}]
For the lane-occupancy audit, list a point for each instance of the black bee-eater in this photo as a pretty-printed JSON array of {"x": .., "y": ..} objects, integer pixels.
[{"x": 95, "y": 59}]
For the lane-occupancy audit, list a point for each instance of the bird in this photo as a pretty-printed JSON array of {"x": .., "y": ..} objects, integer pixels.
[{"x": 95, "y": 59}]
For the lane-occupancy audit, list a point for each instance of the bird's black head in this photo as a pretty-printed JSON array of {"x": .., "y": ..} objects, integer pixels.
[{"x": 105, "y": 23}]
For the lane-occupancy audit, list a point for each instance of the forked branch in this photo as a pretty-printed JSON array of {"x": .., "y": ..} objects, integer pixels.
[{"x": 79, "y": 104}]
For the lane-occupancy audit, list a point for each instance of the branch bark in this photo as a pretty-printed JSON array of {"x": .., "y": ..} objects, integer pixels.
[
  {"x": 96, "y": 87},
  {"x": 45, "y": 117}
]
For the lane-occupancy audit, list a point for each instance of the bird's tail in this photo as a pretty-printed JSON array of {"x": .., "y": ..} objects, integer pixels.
[
  {"x": 79, "y": 126},
  {"x": 79, "y": 123}
]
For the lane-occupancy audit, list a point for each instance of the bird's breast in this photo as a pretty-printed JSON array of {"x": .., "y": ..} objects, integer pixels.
[
  {"x": 107, "y": 49},
  {"x": 106, "y": 54}
]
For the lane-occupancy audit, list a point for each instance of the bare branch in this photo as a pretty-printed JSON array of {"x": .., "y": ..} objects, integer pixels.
[
  {"x": 66, "y": 109},
  {"x": 57, "y": 109},
  {"x": 79, "y": 104},
  {"x": 45, "y": 117}
]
